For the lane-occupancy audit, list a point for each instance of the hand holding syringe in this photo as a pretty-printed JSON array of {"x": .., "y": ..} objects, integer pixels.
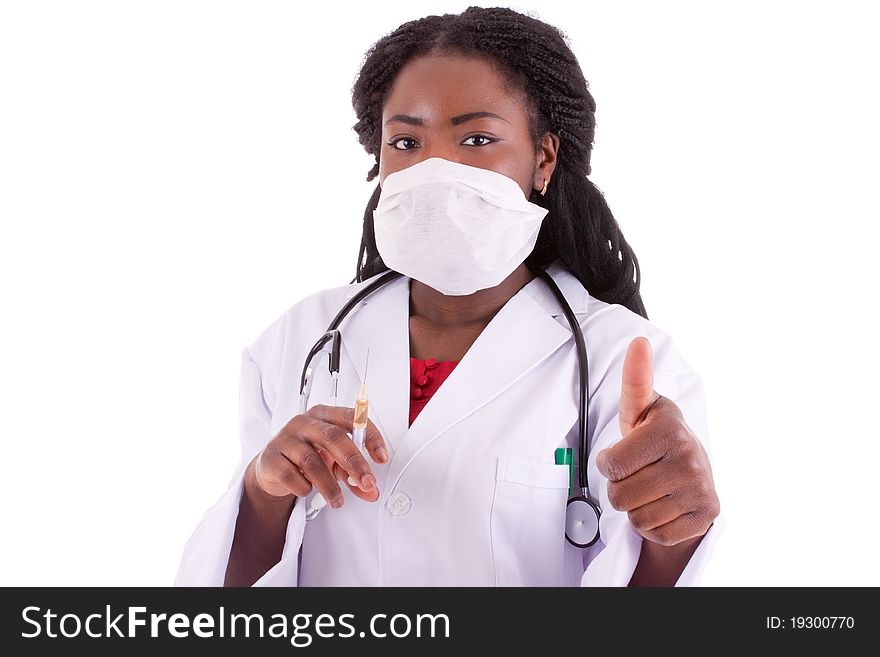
[
  {"x": 358, "y": 436},
  {"x": 309, "y": 455}
]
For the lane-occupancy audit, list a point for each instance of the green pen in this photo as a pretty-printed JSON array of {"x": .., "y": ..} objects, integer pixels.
[{"x": 563, "y": 457}]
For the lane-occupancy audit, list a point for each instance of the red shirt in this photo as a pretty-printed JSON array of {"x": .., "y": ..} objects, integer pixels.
[{"x": 425, "y": 377}]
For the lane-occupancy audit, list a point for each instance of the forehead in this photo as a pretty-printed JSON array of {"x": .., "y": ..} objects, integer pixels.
[{"x": 437, "y": 86}]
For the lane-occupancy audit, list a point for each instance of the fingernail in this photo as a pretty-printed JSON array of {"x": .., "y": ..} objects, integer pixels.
[
  {"x": 368, "y": 481},
  {"x": 336, "y": 503},
  {"x": 381, "y": 454},
  {"x": 351, "y": 481}
]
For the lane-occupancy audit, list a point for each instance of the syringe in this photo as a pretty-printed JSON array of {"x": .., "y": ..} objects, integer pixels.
[
  {"x": 358, "y": 435},
  {"x": 359, "y": 426}
]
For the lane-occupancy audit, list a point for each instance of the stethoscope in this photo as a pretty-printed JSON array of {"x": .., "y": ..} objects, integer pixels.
[{"x": 581, "y": 513}]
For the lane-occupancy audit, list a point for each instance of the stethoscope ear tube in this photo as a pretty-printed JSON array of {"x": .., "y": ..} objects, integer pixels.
[
  {"x": 335, "y": 335},
  {"x": 305, "y": 379}
]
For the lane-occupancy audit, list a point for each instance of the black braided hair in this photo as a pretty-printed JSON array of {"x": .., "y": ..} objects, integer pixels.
[{"x": 534, "y": 58}]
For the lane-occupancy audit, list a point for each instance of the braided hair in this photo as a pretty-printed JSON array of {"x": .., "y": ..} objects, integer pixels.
[{"x": 535, "y": 58}]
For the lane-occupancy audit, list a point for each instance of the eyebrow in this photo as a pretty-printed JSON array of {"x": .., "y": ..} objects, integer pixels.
[{"x": 456, "y": 120}]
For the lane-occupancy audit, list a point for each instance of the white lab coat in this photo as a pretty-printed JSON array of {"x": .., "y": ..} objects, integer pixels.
[{"x": 471, "y": 495}]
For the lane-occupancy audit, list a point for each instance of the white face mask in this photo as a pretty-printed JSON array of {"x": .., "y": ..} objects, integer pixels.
[{"x": 454, "y": 227}]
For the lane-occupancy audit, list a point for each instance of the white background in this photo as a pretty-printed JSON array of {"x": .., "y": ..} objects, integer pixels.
[{"x": 174, "y": 175}]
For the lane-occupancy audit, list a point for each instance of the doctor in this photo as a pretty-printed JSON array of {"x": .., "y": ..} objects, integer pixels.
[{"x": 472, "y": 368}]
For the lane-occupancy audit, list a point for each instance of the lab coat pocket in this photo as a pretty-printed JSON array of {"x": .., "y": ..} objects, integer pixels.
[{"x": 528, "y": 522}]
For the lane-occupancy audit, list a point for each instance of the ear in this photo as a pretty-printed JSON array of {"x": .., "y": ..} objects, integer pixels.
[{"x": 545, "y": 160}]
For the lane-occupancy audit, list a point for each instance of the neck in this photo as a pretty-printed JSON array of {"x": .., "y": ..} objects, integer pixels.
[{"x": 477, "y": 308}]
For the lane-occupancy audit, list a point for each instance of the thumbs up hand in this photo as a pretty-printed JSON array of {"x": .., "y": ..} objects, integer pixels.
[{"x": 658, "y": 472}]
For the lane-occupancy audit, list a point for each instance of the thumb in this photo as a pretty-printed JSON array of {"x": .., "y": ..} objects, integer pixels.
[{"x": 637, "y": 391}]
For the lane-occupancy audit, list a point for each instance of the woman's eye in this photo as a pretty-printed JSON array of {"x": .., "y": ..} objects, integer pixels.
[
  {"x": 488, "y": 140},
  {"x": 394, "y": 143}
]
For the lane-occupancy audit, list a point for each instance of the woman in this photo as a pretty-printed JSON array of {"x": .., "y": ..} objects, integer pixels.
[{"x": 468, "y": 491}]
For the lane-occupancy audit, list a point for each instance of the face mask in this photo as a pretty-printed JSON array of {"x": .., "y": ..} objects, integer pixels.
[{"x": 454, "y": 227}]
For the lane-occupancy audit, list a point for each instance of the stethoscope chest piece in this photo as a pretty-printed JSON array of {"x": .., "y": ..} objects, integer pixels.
[{"x": 581, "y": 522}]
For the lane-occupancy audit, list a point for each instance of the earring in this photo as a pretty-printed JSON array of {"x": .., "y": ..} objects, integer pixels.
[{"x": 544, "y": 191}]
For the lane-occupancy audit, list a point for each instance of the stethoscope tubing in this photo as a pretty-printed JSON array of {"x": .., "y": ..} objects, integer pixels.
[{"x": 580, "y": 508}]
